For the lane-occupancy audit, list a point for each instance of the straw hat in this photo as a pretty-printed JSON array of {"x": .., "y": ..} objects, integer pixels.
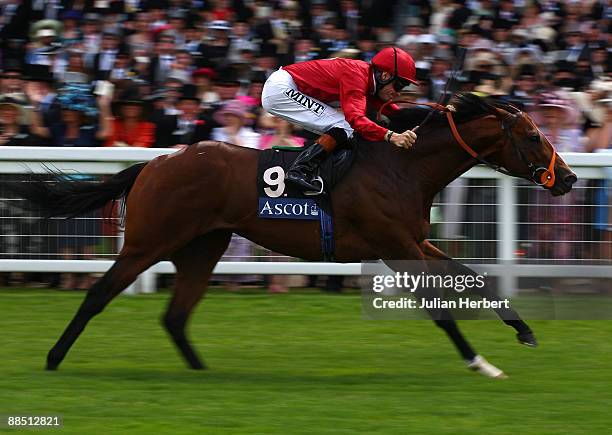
[
  {"x": 232, "y": 107},
  {"x": 6, "y": 101},
  {"x": 554, "y": 100}
]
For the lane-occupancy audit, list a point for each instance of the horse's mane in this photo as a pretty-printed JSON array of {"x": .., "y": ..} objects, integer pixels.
[
  {"x": 467, "y": 105},
  {"x": 470, "y": 106}
]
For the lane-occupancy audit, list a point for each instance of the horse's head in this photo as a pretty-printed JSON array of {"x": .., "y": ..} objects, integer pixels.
[
  {"x": 518, "y": 149},
  {"x": 527, "y": 153}
]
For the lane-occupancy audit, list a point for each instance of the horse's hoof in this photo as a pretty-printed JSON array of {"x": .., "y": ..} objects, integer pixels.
[
  {"x": 51, "y": 366},
  {"x": 527, "y": 338},
  {"x": 482, "y": 366},
  {"x": 198, "y": 366}
]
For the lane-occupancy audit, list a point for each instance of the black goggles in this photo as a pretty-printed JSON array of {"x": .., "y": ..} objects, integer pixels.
[{"x": 399, "y": 84}]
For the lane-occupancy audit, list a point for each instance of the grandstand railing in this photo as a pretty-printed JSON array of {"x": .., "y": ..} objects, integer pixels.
[{"x": 500, "y": 252}]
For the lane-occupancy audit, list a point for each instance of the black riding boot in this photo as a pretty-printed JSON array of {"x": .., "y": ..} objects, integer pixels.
[{"x": 304, "y": 167}]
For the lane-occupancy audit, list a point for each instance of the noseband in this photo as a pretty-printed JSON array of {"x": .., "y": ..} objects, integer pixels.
[{"x": 540, "y": 175}]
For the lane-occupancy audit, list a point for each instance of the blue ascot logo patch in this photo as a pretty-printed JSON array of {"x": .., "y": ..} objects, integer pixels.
[{"x": 288, "y": 208}]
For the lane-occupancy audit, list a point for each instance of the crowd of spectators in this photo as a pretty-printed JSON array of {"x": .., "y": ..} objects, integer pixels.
[
  {"x": 170, "y": 73},
  {"x": 177, "y": 63}
]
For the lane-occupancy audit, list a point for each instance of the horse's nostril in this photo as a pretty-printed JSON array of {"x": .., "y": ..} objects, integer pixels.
[{"x": 570, "y": 179}]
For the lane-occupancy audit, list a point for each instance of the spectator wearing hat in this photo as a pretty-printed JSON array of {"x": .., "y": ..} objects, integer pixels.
[
  {"x": 226, "y": 85},
  {"x": 438, "y": 75},
  {"x": 13, "y": 131},
  {"x": 165, "y": 100},
  {"x": 234, "y": 119},
  {"x": 176, "y": 26},
  {"x": 92, "y": 38},
  {"x": 193, "y": 38},
  {"x": 241, "y": 39},
  {"x": 564, "y": 76},
  {"x": 40, "y": 83},
  {"x": 600, "y": 140},
  {"x": 214, "y": 50},
  {"x": 268, "y": 59},
  {"x": 161, "y": 63},
  {"x": 601, "y": 61},
  {"x": 558, "y": 120},
  {"x": 129, "y": 128},
  {"x": 281, "y": 133},
  {"x": 600, "y": 137},
  {"x": 71, "y": 35},
  {"x": 525, "y": 85},
  {"x": 14, "y": 26},
  {"x": 202, "y": 79},
  {"x": 256, "y": 84},
  {"x": 459, "y": 15},
  {"x": 14, "y": 227},
  {"x": 45, "y": 36},
  {"x": 190, "y": 126},
  {"x": 77, "y": 126},
  {"x": 11, "y": 80},
  {"x": 575, "y": 45},
  {"x": 141, "y": 36},
  {"x": 121, "y": 72},
  {"x": 75, "y": 69},
  {"x": 104, "y": 61}
]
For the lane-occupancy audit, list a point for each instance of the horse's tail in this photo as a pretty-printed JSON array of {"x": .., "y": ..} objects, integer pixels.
[{"x": 62, "y": 197}]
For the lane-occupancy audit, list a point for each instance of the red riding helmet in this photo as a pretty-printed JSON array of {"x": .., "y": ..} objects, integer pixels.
[{"x": 396, "y": 62}]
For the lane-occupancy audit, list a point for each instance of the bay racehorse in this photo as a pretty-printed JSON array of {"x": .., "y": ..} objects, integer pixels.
[{"x": 184, "y": 207}]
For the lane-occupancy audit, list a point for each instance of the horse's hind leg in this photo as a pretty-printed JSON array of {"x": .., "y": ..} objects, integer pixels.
[
  {"x": 123, "y": 272},
  {"x": 194, "y": 265},
  {"x": 508, "y": 315}
]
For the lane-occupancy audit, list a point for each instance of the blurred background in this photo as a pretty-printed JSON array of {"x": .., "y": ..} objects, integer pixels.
[{"x": 167, "y": 74}]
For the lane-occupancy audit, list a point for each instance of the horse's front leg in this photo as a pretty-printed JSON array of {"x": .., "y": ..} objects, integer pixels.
[
  {"x": 510, "y": 317},
  {"x": 442, "y": 317}
]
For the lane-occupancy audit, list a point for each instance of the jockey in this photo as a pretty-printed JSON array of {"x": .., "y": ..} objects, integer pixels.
[{"x": 301, "y": 93}]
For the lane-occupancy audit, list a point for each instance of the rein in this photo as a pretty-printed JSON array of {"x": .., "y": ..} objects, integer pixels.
[{"x": 540, "y": 175}]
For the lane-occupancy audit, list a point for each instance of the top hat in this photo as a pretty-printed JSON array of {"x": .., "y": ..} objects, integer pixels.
[
  {"x": 12, "y": 65},
  {"x": 39, "y": 73},
  {"x": 132, "y": 96},
  {"x": 189, "y": 92}
]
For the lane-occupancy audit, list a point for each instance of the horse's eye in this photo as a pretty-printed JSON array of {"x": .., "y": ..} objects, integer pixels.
[{"x": 535, "y": 138}]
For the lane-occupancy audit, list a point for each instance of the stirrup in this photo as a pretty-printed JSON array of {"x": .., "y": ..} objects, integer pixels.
[{"x": 314, "y": 192}]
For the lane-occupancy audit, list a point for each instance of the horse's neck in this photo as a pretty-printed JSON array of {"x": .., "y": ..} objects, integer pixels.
[{"x": 440, "y": 159}]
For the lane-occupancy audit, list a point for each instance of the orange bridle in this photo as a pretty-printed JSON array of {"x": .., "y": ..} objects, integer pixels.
[{"x": 540, "y": 175}]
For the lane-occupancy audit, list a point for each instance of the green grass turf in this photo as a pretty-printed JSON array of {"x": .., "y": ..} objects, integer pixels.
[{"x": 296, "y": 364}]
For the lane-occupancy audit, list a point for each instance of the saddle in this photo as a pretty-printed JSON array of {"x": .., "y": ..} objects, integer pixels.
[
  {"x": 278, "y": 200},
  {"x": 275, "y": 162}
]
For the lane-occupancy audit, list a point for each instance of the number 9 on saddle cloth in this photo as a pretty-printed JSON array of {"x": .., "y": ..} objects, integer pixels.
[{"x": 280, "y": 200}]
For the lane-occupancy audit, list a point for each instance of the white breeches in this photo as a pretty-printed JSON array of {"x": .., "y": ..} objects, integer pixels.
[{"x": 281, "y": 98}]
